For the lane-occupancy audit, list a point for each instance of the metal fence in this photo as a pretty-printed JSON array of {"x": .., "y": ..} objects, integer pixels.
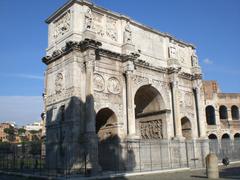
[
  {"x": 225, "y": 148},
  {"x": 119, "y": 157}
]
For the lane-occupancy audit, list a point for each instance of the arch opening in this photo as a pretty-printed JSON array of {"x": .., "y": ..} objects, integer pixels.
[
  {"x": 213, "y": 143},
  {"x": 223, "y": 112},
  {"x": 149, "y": 113},
  {"x": 106, "y": 124},
  {"x": 225, "y": 136},
  {"x": 235, "y": 112},
  {"x": 210, "y": 115},
  {"x": 237, "y": 136},
  {"x": 186, "y": 128},
  {"x": 212, "y": 136}
]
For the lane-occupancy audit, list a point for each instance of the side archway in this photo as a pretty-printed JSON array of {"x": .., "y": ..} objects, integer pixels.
[
  {"x": 186, "y": 128},
  {"x": 210, "y": 115},
  {"x": 109, "y": 148},
  {"x": 106, "y": 122}
]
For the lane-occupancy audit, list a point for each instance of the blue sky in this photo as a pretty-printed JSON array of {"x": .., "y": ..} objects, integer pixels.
[{"x": 213, "y": 26}]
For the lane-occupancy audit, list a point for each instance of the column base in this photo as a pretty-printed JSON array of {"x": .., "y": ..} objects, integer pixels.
[
  {"x": 179, "y": 138},
  {"x": 133, "y": 137},
  {"x": 91, "y": 147}
]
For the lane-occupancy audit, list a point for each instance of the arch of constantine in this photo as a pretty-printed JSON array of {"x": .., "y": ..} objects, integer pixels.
[{"x": 111, "y": 80}]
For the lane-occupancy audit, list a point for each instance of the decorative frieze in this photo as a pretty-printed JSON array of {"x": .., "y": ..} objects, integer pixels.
[
  {"x": 140, "y": 80},
  {"x": 64, "y": 94}
]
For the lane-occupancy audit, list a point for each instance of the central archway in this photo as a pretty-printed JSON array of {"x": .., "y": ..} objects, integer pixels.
[{"x": 149, "y": 112}]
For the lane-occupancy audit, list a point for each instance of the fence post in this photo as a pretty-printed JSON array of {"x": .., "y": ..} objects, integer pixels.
[
  {"x": 187, "y": 158},
  {"x": 140, "y": 166},
  {"x": 150, "y": 155}
]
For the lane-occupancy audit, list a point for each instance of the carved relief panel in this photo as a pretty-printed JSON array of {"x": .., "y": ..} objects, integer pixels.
[
  {"x": 187, "y": 104},
  {"x": 151, "y": 129},
  {"x": 111, "y": 28},
  {"x": 97, "y": 25},
  {"x": 62, "y": 25},
  {"x": 102, "y": 25}
]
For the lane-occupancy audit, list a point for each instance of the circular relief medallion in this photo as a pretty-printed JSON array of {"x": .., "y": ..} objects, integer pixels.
[
  {"x": 114, "y": 85},
  {"x": 59, "y": 83},
  {"x": 98, "y": 82}
]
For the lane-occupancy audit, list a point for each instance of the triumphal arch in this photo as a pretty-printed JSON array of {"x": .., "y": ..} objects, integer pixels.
[{"x": 110, "y": 76}]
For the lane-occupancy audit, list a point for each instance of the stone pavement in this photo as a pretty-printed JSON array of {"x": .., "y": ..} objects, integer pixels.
[{"x": 230, "y": 173}]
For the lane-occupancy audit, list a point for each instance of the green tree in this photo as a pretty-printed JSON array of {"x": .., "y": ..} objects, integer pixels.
[
  {"x": 21, "y": 131},
  {"x": 10, "y": 133}
]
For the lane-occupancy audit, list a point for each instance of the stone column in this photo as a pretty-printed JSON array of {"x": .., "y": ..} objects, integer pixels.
[
  {"x": 229, "y": 113},
  {"x": 91, "y": 139},
  {"x": 129, "y": 69},
  {"x": 176, "y": 106},
  {"x": 202, "y": 127},
  {"x": 130, "y": 105}
]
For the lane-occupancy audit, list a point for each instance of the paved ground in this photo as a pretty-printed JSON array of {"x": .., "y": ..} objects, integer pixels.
[{"x": 230, "y": 173}]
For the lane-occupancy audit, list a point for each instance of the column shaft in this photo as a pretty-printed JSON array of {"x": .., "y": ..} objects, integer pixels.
[{"x": 130, "y": 105}]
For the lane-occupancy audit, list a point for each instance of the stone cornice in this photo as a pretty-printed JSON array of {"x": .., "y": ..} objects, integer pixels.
[
  {"x": 172, "y": 70},
  {"x": 107, "y": 53},
  {"x": 70, "y": 46},
  {"x": 92, "y": 44},
  {"x": 185, "y": 75},
  {"x": 197, "y": 76},
  {"x": 130, "y": 57}
]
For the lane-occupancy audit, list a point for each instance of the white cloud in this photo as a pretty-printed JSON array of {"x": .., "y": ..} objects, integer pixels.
[
  {"x": 207, "y": 61},
  {"x": 29, "y": 76},
  {"x": 20, "y": 109},
  {"x": 25, "y": 76}
]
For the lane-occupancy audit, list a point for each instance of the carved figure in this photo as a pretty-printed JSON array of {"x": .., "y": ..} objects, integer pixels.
[
  {"x": 88, "y": 19},
  {"x": 172, "y": 52},
  {"x": 128, "y": 34},
  {"x": 111, "y": 30}
]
